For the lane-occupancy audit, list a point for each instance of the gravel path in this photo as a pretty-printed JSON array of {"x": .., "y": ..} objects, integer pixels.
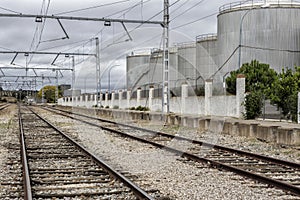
[{"x": 174, "y": 176}]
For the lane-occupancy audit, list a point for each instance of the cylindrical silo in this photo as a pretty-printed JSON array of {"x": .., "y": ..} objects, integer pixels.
[
  {"x": 187, "y": 62},
  {"x": 137, "y": 69},
  {"x": 267, "y": 31},
  {"x": 207, "y": 55}
]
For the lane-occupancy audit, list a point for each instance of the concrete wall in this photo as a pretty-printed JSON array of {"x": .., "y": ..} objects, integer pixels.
[
  {"x": 236, "y": 127},
  {"x": 191, "y": 105}
]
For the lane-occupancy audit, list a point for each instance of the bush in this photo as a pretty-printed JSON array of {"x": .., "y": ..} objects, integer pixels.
[
  {"x": 140, "y": 108},
  {"x": 116, "y": 107},
  {"x": 253, "y": 105}
]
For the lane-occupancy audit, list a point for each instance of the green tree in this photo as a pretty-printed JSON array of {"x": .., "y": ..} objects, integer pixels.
[
  {"x": 49, "y": 93},
  {"x": 259, "y": 79},
  {"x": 253, "y": 104},
  {"x": 259, "y": 76},
  {"x": 285, "y": 92}
]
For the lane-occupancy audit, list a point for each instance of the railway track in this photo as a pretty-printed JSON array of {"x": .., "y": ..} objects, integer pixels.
[
  {"x": 274, "y": 172},
  {"x": 57, "y": 167},
  {"x": 3, "y": 106}
]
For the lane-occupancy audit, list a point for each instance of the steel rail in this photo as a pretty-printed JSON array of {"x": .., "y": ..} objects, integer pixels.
[
  {"x": 279, "y": 184},
  {"x": 141, "y": 194},
  {"x": 4, "y": 106},
  {"x": 240, "y": 152},
  {"x": 26, "y": 174}
]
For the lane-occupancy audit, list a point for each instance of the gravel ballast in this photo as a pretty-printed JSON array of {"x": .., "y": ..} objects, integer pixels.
[{"x": 174, "y": 176}]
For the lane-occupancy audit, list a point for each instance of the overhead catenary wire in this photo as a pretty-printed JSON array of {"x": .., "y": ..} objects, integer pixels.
[
  {"x": 92, "y": 7},
  {"x": 127, "y": 10},
  {"x": 179, "y": 6},
  {"x": 185, "y": 11},
  {"x": 194, "y": 21},
  {"x": 41, "y": 31},
  {"x": 9, "y": 10},
  {"x": 149, "y": 19}
]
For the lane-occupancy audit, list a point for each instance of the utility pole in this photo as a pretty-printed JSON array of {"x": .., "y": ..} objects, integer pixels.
[
  {"x": 73, "y": 73},
  {"x": 98, "y": 72},
  {"x": 56, "y": 88},
  {"x": 166, "y": 77},
  {"x": 43, "y": 95}
]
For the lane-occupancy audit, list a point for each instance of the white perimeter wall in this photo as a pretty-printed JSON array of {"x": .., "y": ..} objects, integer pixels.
[{"x": 218, "y": 105}]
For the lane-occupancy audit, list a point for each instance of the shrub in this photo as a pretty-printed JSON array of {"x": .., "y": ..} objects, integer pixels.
[{"x": 253, "y": 105}]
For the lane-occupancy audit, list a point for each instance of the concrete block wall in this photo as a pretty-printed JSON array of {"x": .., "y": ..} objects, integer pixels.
[
  {"x": 212, "y": 125},
  {"x": 208, "y": 105}
]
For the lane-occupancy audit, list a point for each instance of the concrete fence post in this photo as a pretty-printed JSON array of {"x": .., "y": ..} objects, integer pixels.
[
  {"x": 208, "y": 96},
  {"x": 81, "y": 102},
  {"x": 128, "y": 98},
  {"x": 120, "y": 98},
  {"x": 100, "y": 98},
  {"x": 240, "y": 95},
  {"x": 151, "y": 95},
  {"x": 87, "y": 103},
  {"x": 95, "y": 100},
  {"x": 138, "y": 97},
  {"x": 184, "y": 95},
  {"x": 106, "y": 99},
  {"x": 112, "y": 101}
]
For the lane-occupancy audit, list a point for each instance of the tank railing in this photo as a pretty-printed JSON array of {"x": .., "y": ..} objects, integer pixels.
[
  {"x": 257, "y": 3},
  {"x": 208, "y": 36},
  {"x": 185, "y": 44}
]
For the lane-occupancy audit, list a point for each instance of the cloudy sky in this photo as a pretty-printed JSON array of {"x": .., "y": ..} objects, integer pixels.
[{"x": 188, "y": 18}]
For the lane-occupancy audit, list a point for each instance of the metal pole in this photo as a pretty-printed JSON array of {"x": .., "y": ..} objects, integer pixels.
[
  {"x": 109, "y": 81},
  {"x": 56, "y": 88},
  {"x": 73, "y": 18},
  {"x": 98, "y": 71},
  {"x": 109, "y": 76},
  {"x": 73, "y": 73},
  {"x": 43, "y": 89},
  {"x": 35, "y": 90},
  {"x": 166, "y": 78}
]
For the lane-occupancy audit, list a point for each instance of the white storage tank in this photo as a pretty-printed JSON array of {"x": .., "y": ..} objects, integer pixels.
[
  {"x": 137, "y": 67},
  {"x": 268, "y": 31},
  {"x": 187, "y": 70}
]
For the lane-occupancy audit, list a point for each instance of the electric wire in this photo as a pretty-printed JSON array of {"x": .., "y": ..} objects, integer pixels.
[
  {"x": 92, "y": 7},
  {"x": 155, "y": 15},
  {"x": 9, "y": 10},
  {"x": 126, "y": 10},
  {"x": 41, "y": 31},
  {"x": 226, "y": 61},
  {"x": 185, "y": 11},
  {"x": 194, "y": 21},
  {"x": 173, "y": 11},
  {"x": 69, "y": 44}
]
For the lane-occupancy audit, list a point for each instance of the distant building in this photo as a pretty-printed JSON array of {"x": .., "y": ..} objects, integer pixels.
[
  {"x": 64, "y": 87},
  {"x": 69, "y": 93}
]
